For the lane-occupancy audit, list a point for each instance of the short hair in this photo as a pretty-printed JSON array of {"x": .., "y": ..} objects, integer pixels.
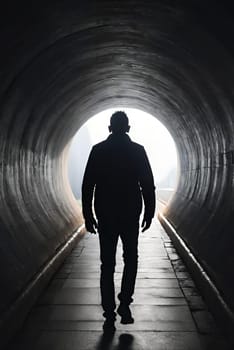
[{"x": 119, "y": 122}]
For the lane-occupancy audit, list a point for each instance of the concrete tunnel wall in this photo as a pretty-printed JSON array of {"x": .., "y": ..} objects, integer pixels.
[{"x": 64, "y": 62}]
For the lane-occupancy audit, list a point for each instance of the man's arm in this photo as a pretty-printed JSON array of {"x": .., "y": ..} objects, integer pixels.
[
  {"x": 88, "y": 185},
  {"x": 148, "y": 190}
]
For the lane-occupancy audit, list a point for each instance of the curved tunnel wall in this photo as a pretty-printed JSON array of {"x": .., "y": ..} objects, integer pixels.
[{"x": 62, "y": 64}]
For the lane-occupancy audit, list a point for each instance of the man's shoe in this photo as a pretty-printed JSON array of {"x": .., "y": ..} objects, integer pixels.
[
  {"x": 109, "y": 326},
  {"x": 125, "y": 313}
]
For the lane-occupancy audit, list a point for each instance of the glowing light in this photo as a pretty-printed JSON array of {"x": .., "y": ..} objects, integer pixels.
[{"x": 145, "y": 129}]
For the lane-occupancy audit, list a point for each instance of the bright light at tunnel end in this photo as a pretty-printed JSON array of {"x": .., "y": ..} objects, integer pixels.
[{"x": 145, "y": 129}]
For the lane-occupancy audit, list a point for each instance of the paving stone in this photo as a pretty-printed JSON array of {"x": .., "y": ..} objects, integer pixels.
[
  {"x": 196, "y": 302},
  {"x": 62, "y": 275},
  {"x": 183, "y": 275},
  {"x": 155, "y": 259},
  {"x": 69, "y": 316},
  {"x": 174, "y": 256},
  {"x": 151, "y": 265},
  {"x": 140, "y": 283},
  {"x": 65, "y": 270},
  {"x": 71, "y": 296},
  {"x": 82, "y": 296},
  {"x": 170, "y": 249},
  {"x": 188, "y": 282},
  {"x": 168, "y": 244},
  {"x": 190, "y": 291},
  {"x": 154, "y": 293},
  {"x": 157, "y": 283},
  {"x": 162, "y": 274},
  {"x": 205, "y": 322},
  {"x": 151, "y": 317},
  {"x": 57, "y": 283},
  {"x": 154, "y": 273},
  {"x": 120, "y": 341},
  {"x": 179, "y": 266}
]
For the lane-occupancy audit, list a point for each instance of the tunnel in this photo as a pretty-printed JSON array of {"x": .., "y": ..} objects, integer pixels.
[{"x": 62, "y": 62}]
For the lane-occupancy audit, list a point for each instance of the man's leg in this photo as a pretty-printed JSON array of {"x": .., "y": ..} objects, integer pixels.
[
  {"x": 108, "y": 243},
  {"x": 130, "y": 256}
]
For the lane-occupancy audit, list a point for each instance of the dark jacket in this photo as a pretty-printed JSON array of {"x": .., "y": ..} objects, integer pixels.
[{"x": 118, "y": 175}]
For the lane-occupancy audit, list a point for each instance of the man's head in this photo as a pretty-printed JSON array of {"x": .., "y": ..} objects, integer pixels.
[{"x": 119, "y": 123}]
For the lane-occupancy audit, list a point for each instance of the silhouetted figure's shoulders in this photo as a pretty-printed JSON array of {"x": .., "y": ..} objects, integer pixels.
[
  {"x": 119, "y": 141},
  {"x": 137, "y": 145}
]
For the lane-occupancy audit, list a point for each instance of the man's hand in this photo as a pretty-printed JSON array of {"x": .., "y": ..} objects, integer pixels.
[
  {"x": 146, "y": 222},
  {"x": 91, "y": 225}
]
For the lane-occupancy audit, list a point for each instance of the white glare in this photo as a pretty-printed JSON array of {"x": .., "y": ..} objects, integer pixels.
[{"x": 145, "y": 129}]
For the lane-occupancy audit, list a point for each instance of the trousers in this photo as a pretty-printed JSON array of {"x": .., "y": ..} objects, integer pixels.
[{"x": 108, "y": 239}]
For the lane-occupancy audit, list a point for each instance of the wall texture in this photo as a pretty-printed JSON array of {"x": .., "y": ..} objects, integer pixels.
[{"x": 65, "y": 61}]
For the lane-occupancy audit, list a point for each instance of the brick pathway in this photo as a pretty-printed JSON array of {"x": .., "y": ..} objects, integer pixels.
[{"x": 168, "y": 310}]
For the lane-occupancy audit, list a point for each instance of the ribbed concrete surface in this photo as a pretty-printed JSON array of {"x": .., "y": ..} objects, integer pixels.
[
  {"x": 169, "y": 313},
  {"x": 64, "y": 61}
]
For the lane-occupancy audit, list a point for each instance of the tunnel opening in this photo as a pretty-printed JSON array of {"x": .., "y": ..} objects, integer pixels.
[
  {"x": 168, "y": 60},
  {"x": 146, "y": 130}
]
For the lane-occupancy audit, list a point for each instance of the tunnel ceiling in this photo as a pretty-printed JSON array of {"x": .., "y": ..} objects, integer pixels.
[
  {"x": 68, "y": 61},
  {"x": 62, "y": 62}
]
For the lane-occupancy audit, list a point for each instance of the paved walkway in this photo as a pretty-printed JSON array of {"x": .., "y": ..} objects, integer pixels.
[{"x": 169, "y": 313}]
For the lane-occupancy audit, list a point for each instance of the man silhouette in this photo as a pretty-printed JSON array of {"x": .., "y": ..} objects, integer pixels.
[{"x": 118, "y": 175}]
